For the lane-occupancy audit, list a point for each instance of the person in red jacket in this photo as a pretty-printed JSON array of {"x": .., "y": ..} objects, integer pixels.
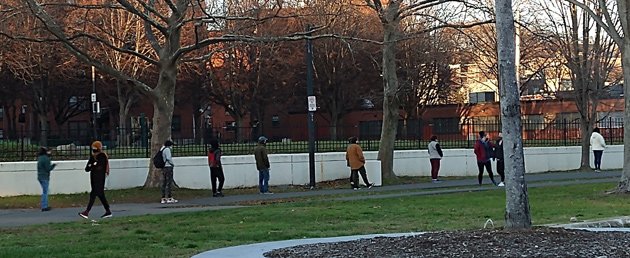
[
  {"x": 483, "y": 151},
  {"x": 216, "y": 170}
]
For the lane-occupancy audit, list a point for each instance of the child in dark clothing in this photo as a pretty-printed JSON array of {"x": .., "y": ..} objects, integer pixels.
[{"x": 98, "y": 166}]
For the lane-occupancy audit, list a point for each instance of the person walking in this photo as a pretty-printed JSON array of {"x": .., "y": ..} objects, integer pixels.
[
  {"x": 435, "y": 155},
  {"x": 167, "y": 173},
  {"x": 262, "y": 165},
  {"x": 44, "y": 167},
  {"x": 216, "y": 169},
  {"x": 483, "y": 150},
  {"x": 356, "y": 162},
  {"x": 98, "y": 166},
  {"x": 598, "y": 144},
  {"x": 498, "y": 154}
]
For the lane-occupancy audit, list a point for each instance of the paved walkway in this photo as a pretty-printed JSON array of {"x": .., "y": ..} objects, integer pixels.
[{"x": 23, "y": 217}]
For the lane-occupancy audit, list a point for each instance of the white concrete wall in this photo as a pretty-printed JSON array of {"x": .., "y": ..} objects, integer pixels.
[{"x": 20, "y": 178}]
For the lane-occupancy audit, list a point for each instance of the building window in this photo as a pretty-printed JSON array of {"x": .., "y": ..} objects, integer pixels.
[
  {"x": 610, "y": 119},
  {"x": 481, "y": 97},
  {"x": 275, "y": 120},
  {"x": 486, "y": 123},
  {"x": 176, "y": 124},
  {"x": 564, "y": 120},
  {"x": 446, "y": 125},
  {"x": 230, "y": 126},
  {"x": 533, "y": 122}
]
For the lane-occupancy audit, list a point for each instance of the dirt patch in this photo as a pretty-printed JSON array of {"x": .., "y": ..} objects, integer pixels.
[{"x": 539, "y": 242}]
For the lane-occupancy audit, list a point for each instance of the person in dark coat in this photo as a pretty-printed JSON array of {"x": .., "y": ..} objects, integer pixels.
[
  {"x": 98, "y": 166},
  {"x": 483, "y": 150},
  {"x": 498, "y": 154},
  {"x": 44, "y": 167}
]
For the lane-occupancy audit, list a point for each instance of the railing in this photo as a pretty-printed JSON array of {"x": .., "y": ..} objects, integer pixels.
[{"x": 121, "y": 143}]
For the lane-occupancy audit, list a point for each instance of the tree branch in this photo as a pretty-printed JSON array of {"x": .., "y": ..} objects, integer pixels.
[{"x": 609, "y": 29}]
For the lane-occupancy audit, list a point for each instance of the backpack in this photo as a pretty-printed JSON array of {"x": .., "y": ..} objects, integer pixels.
[{"x": 158, "y": 159}]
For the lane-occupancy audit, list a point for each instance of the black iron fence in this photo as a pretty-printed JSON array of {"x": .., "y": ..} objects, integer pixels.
[{"x": 135, "y": 143}]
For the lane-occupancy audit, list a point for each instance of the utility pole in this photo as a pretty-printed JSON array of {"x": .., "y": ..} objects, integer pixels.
[
  {"x": 95, "y": 107},
  {"x": 312, "y": 107}
]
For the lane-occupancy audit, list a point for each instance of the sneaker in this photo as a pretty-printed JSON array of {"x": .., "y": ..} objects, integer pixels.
[
  {"x": 215, "y": 195},
  {"x": 47, "y": 209},
  {"x": 436, "y": 181},
  {"x": 370, "y": 185},
  {"x": 220, "y": 194},
  {"x": 171, "y": 200},
  {"x": 597, "y": 171},
  {"x": 84, "y": 214},
  {"x": 267, "y": 192},
  {"x": 163, "y": 201},
  {"x": 108, "y": 214},
  {"x": 355, "y": 188},
  {"x": 501, "y": 184}
]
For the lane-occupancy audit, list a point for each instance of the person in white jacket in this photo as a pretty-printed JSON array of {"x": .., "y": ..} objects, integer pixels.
[{"x": 598, "y": 144}]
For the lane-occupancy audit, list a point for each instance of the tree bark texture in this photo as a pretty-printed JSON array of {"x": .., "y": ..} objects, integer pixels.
[
  {"x": 624, "y": 182},
  {"x": 391, "y": 24},
  {"x": 517, "y": 214}
]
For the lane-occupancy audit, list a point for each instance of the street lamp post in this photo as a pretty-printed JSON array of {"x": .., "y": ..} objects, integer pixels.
[
  {"x": 312, "y": 107},
  {"x": 94, "y": 105}
]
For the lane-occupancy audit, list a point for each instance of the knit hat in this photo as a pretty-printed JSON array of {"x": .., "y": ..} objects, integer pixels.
[{"x": 97, "y": 145}]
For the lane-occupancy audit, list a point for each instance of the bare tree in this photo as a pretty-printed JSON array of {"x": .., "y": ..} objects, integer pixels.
[
  {"x": 391, "y": 13},
  {"x": 164, "y": 23},
  {"x": 590, "y": 56},
  {"x": 517, "y": 215},
  {"x": 613, "y": 17}
]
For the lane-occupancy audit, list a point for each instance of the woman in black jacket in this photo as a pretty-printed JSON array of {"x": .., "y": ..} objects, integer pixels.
[{"x": 98, "y": 166}]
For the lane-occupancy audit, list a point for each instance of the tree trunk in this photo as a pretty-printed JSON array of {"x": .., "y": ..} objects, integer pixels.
[
  {"x": 517, "y": 214},
  {"x": 43, "y": 129},
  {"x": 586, "y": 129},
  {"x": 334, "y": 120},
  {"x": 124, "y": 133},
  {"x": 390, "y": 90},
  {"x": 163, "y": 106},
  {"x": 624, "y": 183}
]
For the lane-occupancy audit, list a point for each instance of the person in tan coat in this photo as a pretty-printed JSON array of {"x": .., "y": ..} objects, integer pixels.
[{"x": 356, "y": 162}]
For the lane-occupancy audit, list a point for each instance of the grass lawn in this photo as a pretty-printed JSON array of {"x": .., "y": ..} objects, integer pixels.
[{"x": 186, "y": 234}]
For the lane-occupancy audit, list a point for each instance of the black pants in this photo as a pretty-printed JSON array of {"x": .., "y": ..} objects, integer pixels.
[
  {"x": 354, "y": 177},
  {"x": 488, "y": 165},
  {"x": 167, "y": 182},
  {"x": 598, "y": 158},
  {"x": 98, "y": 190},
  {"x": 216, "y": 173},
  {"x": 501, "y": 169}
]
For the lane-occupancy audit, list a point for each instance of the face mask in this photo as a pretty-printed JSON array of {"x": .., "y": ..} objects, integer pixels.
[{"x": 94, "y": 150}]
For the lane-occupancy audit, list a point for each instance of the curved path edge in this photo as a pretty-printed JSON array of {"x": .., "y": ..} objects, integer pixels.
[{"x": 257, "y": 250}]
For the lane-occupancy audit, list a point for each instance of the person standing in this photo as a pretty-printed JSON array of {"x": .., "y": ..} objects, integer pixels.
[
  {"x": 598, "y": 144},
  {"x": 435, "y": 155},
  {"x": 498, "y": 154},
  {"x": 98, "y": 166},
  {"x": 216, "y": 169},
  {"x": 44, "y": 167},
  {"x": 167, "y": 173},
  {"x": 356, "y": 162},
  {"x": 483, "y": 152},
  {"x": 262, "y": 165}
]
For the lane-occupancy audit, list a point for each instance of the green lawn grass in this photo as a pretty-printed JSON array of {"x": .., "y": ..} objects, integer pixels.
[{"x": 186, "y": 234}]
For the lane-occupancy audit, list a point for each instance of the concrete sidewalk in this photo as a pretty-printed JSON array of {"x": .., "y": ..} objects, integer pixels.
[{"x": 23, "y": 217}]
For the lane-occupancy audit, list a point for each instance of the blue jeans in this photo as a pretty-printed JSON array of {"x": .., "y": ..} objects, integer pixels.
[
  {"x": 598, "y": 158},
  {"x": 44, "y": 184},
  {"x": 263, "y": 180}
]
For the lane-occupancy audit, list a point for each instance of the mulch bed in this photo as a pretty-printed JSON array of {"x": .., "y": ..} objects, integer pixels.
[{"x": 538, "y": 242}]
